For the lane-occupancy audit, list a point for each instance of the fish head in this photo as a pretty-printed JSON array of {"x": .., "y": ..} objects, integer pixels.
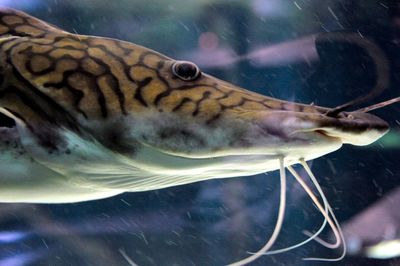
[{"x": 192, "y": 114}]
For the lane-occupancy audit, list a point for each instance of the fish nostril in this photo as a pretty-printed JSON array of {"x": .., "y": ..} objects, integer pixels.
[{"x": 334, "y": 113}]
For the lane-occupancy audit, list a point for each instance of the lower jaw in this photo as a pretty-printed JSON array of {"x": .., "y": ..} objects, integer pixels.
[{"x": 249, "y": 164}]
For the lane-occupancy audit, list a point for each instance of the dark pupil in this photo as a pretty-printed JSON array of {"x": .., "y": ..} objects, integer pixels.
[{"x": 186, "y": 71}]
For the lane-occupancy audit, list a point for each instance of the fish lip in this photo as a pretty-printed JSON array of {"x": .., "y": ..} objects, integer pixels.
[
  {"x": 324, "y": 134},
  {"x": 354, "y": 128}
]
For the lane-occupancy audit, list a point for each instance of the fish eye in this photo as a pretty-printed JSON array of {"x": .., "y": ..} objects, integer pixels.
[{"x": 185, "y": 70}]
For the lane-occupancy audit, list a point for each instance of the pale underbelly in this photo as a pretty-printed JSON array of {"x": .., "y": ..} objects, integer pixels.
[{"x": 23, "y": 179}]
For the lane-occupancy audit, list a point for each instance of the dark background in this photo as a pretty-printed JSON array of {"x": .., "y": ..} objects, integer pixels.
[{"x": 216, "y": 222}]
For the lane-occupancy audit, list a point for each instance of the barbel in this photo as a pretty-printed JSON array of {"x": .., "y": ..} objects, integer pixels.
[{"x": 85, "y": 117}]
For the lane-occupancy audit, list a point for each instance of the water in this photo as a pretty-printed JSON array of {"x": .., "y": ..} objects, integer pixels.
[{"x": 216, "y": 222}]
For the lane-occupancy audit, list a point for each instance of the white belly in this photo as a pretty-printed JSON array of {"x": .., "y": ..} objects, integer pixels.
[
  {"x": 91, "y": 171},
  {"x": 24, "y": 180}
]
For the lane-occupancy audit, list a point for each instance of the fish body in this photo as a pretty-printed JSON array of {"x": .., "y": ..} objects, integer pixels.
[{"x": 85, "y": 117}]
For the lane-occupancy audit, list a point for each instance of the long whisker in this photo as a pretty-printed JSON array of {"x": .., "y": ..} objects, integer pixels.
[
  {"x": 336, "y": 228},
  {"x": 378, "y": 57},
  {"x": 311, "y": 236},
  {"x": 279, "y": 221},
  {"x": 126, "y": 257},
  {"x": 317, "y": 203},
  {"x": 379, "y": 105},
  {"x": 324, "y": 200},
  {"x": 320, "y": 240}
]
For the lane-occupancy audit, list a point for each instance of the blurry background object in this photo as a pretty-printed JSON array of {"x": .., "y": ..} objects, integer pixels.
[{"x": 375, "y": 231}]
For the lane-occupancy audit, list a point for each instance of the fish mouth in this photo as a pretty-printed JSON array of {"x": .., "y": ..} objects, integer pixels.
[
  {"x": 355, "y": 128},
  {"x": 323, "y": 133}
]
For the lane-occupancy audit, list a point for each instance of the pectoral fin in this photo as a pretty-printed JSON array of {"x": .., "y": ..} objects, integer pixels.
[{"x": 25, "y": 178}]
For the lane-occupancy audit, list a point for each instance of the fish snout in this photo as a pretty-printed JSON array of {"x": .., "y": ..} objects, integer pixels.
[{"x": 354, "y": 128}]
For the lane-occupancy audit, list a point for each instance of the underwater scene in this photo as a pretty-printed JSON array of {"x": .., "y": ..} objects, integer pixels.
[{"x": 199, "y": 132}]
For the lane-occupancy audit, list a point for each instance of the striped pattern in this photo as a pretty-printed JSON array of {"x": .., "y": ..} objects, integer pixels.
[{"x": 63, "y": 77}]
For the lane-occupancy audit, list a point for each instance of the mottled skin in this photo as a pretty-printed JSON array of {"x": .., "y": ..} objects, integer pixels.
[
  {"x": 125, "y": 99},
  {"x": 100, "y": 78}
]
